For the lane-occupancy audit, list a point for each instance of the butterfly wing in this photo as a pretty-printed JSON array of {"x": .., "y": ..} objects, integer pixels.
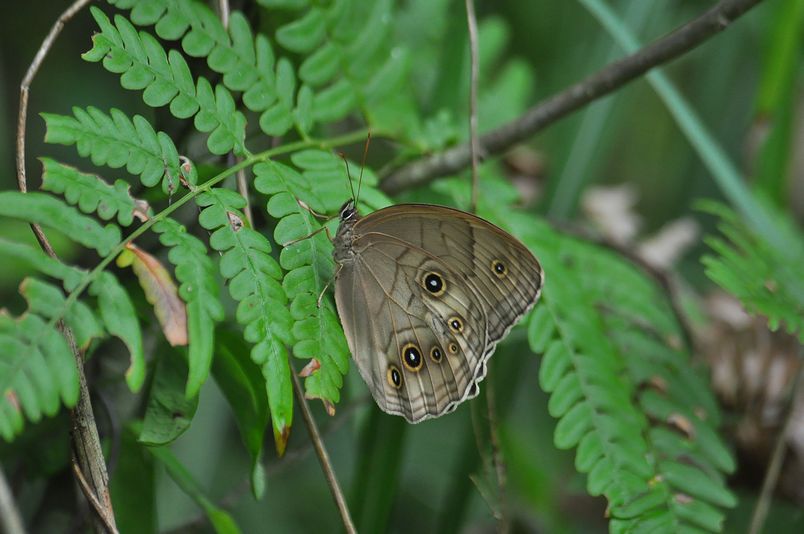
[
  {"x": 485, "y": 280},
  {"x": 392, "y": 328}
]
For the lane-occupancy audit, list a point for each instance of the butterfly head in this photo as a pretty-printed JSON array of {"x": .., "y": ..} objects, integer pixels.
[{"x": 348, "y": 212}]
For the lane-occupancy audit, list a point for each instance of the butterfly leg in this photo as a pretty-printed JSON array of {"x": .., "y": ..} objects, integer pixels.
[
  {"x": 324, "y": 229},
  {"x": 326, "y": 286},
  {"x": 312, "y": 212}
]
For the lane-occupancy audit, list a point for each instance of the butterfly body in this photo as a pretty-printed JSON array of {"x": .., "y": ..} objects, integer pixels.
[{"x": 424, "y": 294}]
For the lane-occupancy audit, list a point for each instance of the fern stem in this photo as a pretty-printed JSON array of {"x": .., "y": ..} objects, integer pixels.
[{"x": 344, "y": 139}]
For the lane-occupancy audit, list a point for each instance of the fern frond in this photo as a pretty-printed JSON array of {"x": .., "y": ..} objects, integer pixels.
[
  {"x": 47, "y": 300},
  {"x": 37, "y": 369},
  {"x": 89, "y": 192},
  {"x": 49, "y": 211},
  {"x": 309, "y": 266},
  {"x": 165, "y": 78},
  {"x": 115, "y": 140},
  {"x": 764, "y": 277},
  {"x": 254, "y": 282},
  {"x": 643, "y": 422},
  {"x": 199, "y": 290},
  {"x": 248, "y": 64}
]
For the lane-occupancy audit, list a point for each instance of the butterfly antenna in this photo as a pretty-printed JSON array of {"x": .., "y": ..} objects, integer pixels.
[
  {"x": 363, "y": 164},
  {"x": 348, "y": 175}
]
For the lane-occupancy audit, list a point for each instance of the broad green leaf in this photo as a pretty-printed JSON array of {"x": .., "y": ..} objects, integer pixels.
[
  {"x": 169, "y": 412},
  {"x": 239, "y": 380}
]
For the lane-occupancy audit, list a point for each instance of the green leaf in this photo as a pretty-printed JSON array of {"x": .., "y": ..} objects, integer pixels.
[
  {"x": 48, "y": 211},
  {"x": 169, "y": 412},
  {"x": 120, "y": 319}
]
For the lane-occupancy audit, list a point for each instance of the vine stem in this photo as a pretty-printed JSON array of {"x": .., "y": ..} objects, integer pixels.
[
  {"x": 545, "y": 113},
  {"x": 87, "y": 451}
]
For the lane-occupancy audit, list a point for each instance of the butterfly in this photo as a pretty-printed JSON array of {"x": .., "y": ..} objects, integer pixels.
[{"x": 424, "y": 294}]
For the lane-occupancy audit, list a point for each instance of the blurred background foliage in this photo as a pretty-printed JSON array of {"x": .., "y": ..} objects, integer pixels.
[{"x": 746, "y": 85}]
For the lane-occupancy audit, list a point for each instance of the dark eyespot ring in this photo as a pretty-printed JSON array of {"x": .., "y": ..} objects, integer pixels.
[
  {"x": 394, "y": 377},
  {"x": 453, "y": 348},
  {"x": 435, "y": 354},
  {"x": 434, "y": 283},
  {"x": 455, "y": 324},
  {"x": 499, "y": 268},
  {"x": 412, "y": 357}
]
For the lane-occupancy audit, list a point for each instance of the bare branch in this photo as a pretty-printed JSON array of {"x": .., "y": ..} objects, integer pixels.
[
  {"x": 323, "y": 456},
  {"x": 605, "y": 81},
  {"x": 86, "y": 443}
]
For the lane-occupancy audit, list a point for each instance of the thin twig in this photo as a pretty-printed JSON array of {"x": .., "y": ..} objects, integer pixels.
[
  {"x": 93, "y": 500},
  {"x": 223, "y": 10},
  {"x": 605, "y": 81},
  {"x": 497, "y": 458},
  {"x": 323, "y": 456},
  {"x": 10, "y": 518},
  {"x": 84, "y": 433},
  {"x": 474, "y": 147},
  {"x": 776, "y": 460}
]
